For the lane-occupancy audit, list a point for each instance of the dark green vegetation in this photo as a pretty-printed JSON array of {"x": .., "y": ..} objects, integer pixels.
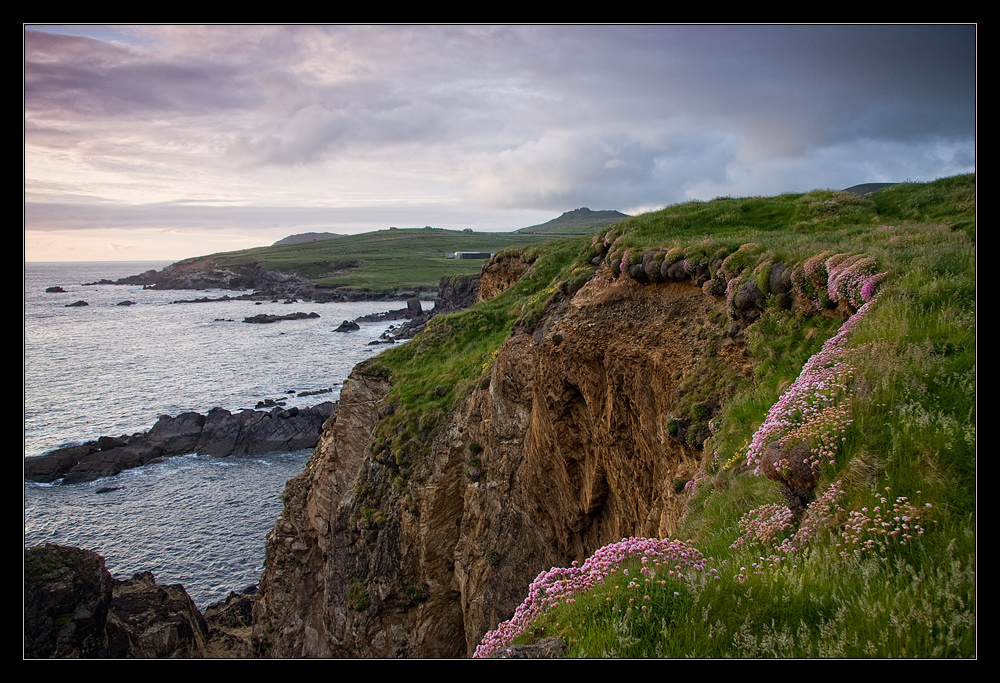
[
  {"x": 434, "y": 372},
  {"x": 386, "y": 260},
  {"x": 905, "y": 459},
  {"x": 577, "y": 222}
]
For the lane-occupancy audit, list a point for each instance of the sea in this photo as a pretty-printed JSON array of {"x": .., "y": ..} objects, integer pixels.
[{"x": 110, "y": 369}]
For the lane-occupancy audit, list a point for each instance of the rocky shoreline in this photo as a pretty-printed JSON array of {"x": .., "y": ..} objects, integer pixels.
[
  {"x": 75, "y": 608},
  {"x": 219, "y": 433},
  {"x": 207, "y": 272}
]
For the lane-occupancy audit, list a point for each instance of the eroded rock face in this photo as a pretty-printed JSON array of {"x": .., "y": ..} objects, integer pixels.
[
  {"x": 500, "y": 273},
  {"x": 571, "y": 454},
  {"x": 73, "y": 608}
]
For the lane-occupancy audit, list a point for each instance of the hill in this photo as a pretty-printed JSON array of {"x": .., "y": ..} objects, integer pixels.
[
  {"x": 385, "y": 263},
  {"x": 306, "y": 237},
  {"x": 581, "y": 221}
]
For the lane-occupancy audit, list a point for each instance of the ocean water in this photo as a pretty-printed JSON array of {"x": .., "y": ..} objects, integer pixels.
[{"x": 105, "y": 369}]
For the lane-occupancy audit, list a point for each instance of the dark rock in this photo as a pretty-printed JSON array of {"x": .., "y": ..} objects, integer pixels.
[
  {"x": 792, "y": 470},
  {"x": 147, "y": 620},
  {"x": 780, "y": 281},
  {"x": 702, "y": 274},
  {"x": 206, "y": 272},
  {"x": 413, "y": 307},
  {"x": 73, "y": 608},
  {"x": 637, "y": 273},
  {"x": 749, "y": 300},
  {"x": 55, "y": 464},
  {"x": 125, "y": 303},
  {"x": 108, "y": 463},
  {"x": 67, "y": 593},
  {"x": 106, "y": 443},
  {"x": 264, "y": 318},
  {"x": 652, "y": 267},
  {"x": 179, "y": 434},
  {"x": 236, "y": 611},
  {"x": 677, "y": 271},
  {"x": 544, "y": 648},
  {"x": 348, "y": 326},
  {"x": 55, "y": 290},
  {"x": 81, "y": 302},
  {"x": 314, "y": 393},
  {"x": 220, "y": 433}
]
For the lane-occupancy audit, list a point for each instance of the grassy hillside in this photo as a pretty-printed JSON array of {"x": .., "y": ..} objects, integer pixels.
[
  {"x": 868, "y": 364},
  {"x": 577, "y": 222},
  {"x": 403, "y": 259}
]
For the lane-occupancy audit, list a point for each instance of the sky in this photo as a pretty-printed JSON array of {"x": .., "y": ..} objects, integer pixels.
[{"x": 160, "y": 142}]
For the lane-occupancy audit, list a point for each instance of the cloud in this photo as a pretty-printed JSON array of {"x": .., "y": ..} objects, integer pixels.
[{"x": 483, "y": 118}]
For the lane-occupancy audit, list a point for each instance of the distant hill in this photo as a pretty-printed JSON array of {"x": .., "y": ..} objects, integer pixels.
[
  {"x": 306, "y": 237},
  {"x": 577, "y": 222},
  {"x": 866, "y": 188}
]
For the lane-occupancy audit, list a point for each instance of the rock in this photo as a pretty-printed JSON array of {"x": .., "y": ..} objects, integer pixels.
[
  {"x": 106, "y": 443},
  {"x": 67, "y": 593},
  {"x": 125, "y": 303},
  {"x": 210, "y": 272},
  {"x": 177, "y": 434},
  {"x": 55, "y": 464},
  {"x": 791, "y": 469},
  {"x": 348, "y": 326},
  {"x": 413, "y": 308},
  {"x": 545, "y": 648},
  {"x": 780, "y": 281},
  {"x": 219, "y": 433},
  {"x": 108, "y": 463},
  {"x": 652, "y": 267},
  {"x": 55, "y": 290},
  {"x": 73, "y": 608},
  {"x": 147, "y": 620},
  {"x": 81, "y": 302},
  {"x": 676, "y": 271},
  {"x": 264, "y": 318},
  {"x": 749, "y": 300}
]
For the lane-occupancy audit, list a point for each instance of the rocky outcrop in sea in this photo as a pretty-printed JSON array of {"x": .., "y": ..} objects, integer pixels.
[{"x": 219, "y": 432}]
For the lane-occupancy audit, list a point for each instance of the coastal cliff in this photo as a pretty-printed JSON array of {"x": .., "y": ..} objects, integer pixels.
[
  {"x": 558, "y": 450},
  {"x": 800, "y": 408}
]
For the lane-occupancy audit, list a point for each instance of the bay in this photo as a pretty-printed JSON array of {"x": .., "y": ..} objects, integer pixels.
[{"x": 109, "y": 369}]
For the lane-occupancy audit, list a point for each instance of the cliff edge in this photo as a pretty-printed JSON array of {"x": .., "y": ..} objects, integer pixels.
[{"x": 560, "y": 449}]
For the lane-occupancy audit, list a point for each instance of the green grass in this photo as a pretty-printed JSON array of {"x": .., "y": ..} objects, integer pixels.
[
  {"x": 908, "y": 605},
  {"x": 382, "y": 261},
  {"x": 436, "y": 370},
  {"x": 911, "y": 432},
  {"x": 576, "y": 222}
]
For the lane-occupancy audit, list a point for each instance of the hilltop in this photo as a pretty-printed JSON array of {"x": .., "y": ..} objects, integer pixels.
[
  {"x": 306, "y": 237},
  {"x": 581, "y": 221}
]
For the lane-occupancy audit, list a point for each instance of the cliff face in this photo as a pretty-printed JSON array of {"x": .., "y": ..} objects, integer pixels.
[{"x": 561, "y": 450}]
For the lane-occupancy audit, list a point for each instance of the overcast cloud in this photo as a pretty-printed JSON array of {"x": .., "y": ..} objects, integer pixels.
[{"x": 175, "y": 141}]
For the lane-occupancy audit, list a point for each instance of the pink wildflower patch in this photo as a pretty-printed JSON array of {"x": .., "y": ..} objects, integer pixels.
[{"x": 558, "y": 584}]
